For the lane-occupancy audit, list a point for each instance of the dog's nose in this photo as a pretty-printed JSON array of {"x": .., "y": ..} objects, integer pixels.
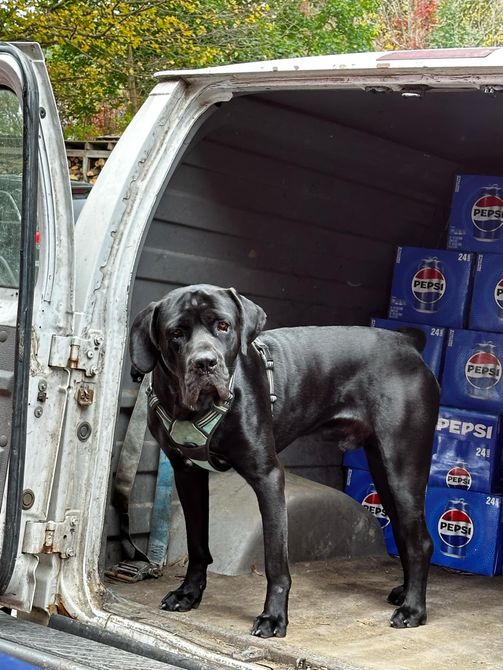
[{"x": 204, "y": 362}]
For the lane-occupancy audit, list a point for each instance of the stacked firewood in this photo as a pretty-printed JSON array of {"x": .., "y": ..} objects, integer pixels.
[
  {"x": 78, "y": 171},
  {"x": 75, "y": 168},
  {"x": 87, "y": 158}
]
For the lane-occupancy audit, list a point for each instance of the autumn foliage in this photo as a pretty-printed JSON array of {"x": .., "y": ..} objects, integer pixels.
[{"x": 101, "y": 54}]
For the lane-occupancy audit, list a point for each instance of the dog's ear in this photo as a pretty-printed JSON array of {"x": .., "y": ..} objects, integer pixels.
[
  {"x": 252, "y": 318},
  {"x": 143, "y": 340}
]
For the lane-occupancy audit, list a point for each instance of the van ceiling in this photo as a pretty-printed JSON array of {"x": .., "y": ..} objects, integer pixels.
[{"x": 464, "y": 126}]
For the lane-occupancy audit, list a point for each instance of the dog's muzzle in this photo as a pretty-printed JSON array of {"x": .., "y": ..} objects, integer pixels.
[{"x": 207, "y": 376}]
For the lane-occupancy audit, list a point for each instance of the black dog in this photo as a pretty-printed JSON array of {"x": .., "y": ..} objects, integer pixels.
[{"x": 360, "y": 386}]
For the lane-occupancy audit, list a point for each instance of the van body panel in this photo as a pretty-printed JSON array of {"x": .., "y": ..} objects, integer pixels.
[{"x": 413, "y": 61}]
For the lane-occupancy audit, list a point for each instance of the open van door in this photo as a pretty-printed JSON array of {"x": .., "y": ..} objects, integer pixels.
[{"x": 36, "y": 297}]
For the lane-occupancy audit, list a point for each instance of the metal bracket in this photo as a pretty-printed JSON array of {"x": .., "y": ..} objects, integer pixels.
[
  {"x": 52, "y": 537},
  {"x": 76, "y": 353}
]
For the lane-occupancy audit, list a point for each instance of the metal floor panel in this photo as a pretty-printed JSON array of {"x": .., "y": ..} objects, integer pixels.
[{"x": 54, "y": 650}]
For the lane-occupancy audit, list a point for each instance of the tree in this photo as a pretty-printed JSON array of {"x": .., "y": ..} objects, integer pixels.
[
  {"x": 468, "y": 23},
  {"x": 101, "y": 53},
  {"x": 414, "y": 24},
  {"x": 11, "y": 117},
  {"x": 405, "y": 24},
  {"x": 310, "y": 28}
]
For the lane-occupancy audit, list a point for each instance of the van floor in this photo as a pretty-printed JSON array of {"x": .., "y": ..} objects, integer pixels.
[{"x": 338, "y": 618}]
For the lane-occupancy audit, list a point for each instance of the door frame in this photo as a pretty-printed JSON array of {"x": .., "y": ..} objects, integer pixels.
[{"x": 31, "y": 114}]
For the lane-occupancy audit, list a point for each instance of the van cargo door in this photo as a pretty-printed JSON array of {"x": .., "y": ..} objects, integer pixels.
[{"x": 33, "y": 232}]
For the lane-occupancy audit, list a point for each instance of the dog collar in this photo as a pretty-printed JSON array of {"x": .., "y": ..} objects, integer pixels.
[{"x": 191, "y": 439}]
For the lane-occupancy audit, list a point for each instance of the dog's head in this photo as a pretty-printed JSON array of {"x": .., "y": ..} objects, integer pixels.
[{"x": 196, "y": 333}]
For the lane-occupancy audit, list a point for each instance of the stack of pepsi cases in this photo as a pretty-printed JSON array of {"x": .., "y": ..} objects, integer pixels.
[
  {"x": 463, "y": 508},
  {"x": 455, "y": 296},
  {"x": 472, "y": 390}
]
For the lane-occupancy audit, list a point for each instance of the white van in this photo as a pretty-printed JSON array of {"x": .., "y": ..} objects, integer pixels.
[{"x": 291, "y": 180}]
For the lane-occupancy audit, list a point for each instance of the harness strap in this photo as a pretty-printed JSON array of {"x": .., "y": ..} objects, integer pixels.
[
  {"x": 191, "y": 439},
  {"x": 263, "y": 351}
]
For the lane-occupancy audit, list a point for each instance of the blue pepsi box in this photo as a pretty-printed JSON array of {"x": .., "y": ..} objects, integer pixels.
[
  {"x": 360, "y": 487},
  {"x": 486, "y": 311},
  {"x": 431, "y": 286},
  {"x": 467, "y": 530},
  {"x": 355, "y": 458},
  {"x": 472, "y": 371},
  {"x": 467, "y": 452},
  {"x": 475, "y": 222},
  {"x": 435, "y": 338}
]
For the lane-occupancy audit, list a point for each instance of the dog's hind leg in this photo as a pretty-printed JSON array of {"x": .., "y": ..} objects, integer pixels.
[
  {"x": 192, "y": 486},
  {"x": 401, "y": 488}
]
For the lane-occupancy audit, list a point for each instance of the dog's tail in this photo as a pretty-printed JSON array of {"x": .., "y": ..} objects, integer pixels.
[{"x": 417, "y": 337}]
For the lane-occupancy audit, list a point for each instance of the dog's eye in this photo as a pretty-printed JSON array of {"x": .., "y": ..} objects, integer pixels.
[
  {"x": 223, "y": 326},
  {"x": 176, "y": 333}
]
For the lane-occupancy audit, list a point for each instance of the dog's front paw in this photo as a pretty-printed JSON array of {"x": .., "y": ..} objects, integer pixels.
[
  {"x": 407, "y": 617},
  {"x": 397, "y": 595},
  {"x": 267, "y": 625},
  {"x": 181, "y": 600}
]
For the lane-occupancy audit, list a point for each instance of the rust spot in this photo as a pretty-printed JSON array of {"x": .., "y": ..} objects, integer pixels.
[
  {"x": 85, "y": 395},
  {"x": 59, "y": 607}
]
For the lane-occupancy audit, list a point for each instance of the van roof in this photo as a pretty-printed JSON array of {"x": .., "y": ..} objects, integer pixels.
[{"x": 476, "y": 57}]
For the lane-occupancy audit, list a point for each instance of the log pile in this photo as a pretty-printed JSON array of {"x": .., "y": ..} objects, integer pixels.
[
  {"x": 86, "y": 159},
  {"x": 89, "y": 173}
]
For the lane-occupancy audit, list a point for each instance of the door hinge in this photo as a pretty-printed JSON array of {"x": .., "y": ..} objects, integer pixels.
[
  {"x": 76, "y": 353},
  {"x": 52, "y": 537}
]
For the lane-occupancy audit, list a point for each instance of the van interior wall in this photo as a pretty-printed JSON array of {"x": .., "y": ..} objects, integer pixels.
[{"x": 298, "y": 200}]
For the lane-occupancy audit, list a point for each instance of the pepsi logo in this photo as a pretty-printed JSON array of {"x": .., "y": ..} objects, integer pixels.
[
  {"x": 373, "y": 504},
  {"x": 455, "y": 528},
  {"x": 458, "y": 477},
  {"x": 457, "y": 427},
  {"x": 487, "y": 213},
  {"x": 428, "y": 285},
  {"x": 483, "y": 370},
  {"x": 498, "y": 293}
]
